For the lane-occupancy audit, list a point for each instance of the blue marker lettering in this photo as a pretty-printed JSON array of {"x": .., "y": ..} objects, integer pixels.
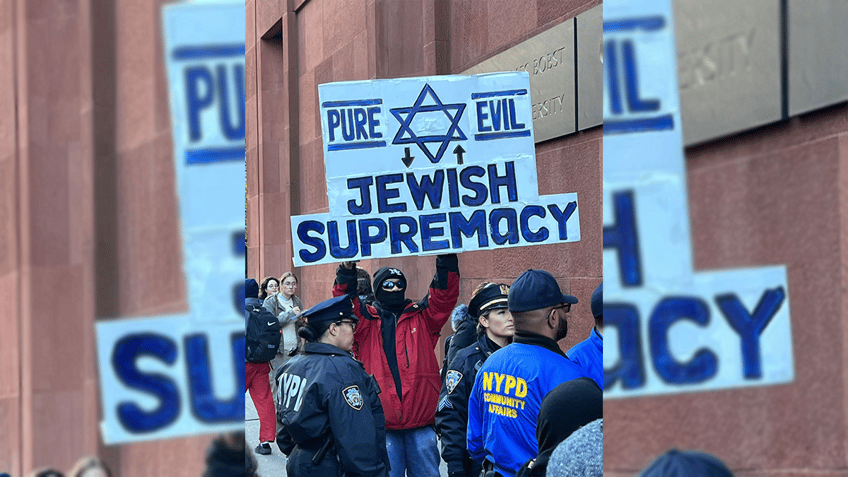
[
  {"x": 204, "y": 404},
  {"x": 336, "y": 250},
  {"x": 303, "y": 231},
  {"x": 126, "y": 352},
  {"x": 701, "y": 367},
  {"x": 366, "y": 239}
]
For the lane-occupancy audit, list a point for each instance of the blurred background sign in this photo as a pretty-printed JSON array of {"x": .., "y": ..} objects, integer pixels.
[
  {"x": 667, "y": 328},
  {"x": 176, "y": 375}
]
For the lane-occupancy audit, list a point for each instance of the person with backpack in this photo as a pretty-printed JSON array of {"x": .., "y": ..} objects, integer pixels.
[{"x": 262, "y": 340}]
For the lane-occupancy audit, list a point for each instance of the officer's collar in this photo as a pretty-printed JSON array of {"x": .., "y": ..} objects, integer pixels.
[
  {"x": 549, "y": 344},
  {"x": 487, "y": 345},
  {"x": 314, "y": 347}
]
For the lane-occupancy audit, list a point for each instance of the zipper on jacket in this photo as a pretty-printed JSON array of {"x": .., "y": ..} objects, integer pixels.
[{"x": 406, "y": 350}]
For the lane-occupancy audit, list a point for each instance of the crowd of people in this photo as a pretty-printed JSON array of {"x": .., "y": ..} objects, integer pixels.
[{"x": 358, "y": 390}]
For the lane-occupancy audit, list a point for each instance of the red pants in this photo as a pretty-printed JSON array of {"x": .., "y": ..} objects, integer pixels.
[{"x": 256, "y": 381}]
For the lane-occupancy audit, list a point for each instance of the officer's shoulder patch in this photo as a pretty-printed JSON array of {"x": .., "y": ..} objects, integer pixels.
[
  {"x": 452, "y": 378},
  {"x": 353, "y": 397}
]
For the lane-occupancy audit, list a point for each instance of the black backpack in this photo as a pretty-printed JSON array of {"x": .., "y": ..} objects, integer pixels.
[{"x": 262, "y": 335}]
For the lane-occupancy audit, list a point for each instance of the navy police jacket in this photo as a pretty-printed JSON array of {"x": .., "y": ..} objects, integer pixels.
[
  {"x": 505, "y": 401},
  {"x": 589, "y": 355},
  {"x": 329, "y": 417},
  {"x": 452, "y": 412}
]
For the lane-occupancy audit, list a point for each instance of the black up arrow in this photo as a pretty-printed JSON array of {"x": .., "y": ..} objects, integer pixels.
[
  {"x": 407, "y": 159},
  {"x": 458, "y": 150}
]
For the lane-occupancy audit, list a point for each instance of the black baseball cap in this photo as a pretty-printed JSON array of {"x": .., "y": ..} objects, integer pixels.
[
  {"x": 679, "y": 463},
  {"x": 536, "y": 289},
  {"x": 598, "y": 301}
]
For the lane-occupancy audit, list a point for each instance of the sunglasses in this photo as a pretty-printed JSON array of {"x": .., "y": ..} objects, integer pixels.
[
  {"x": 389, "y": 285},
  {"x": 351, "y": 323}
]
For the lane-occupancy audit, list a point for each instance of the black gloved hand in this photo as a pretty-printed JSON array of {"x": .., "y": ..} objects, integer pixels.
[{"x": 447, "y": 261}]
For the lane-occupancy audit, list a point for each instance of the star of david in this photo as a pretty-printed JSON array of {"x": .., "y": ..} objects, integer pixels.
[{"x": 406, "y": 115}]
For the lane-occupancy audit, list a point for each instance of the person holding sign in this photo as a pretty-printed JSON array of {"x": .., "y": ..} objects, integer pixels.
[
  {"x": 330, "y": 421},
  {"x": 396, "y": 340},
  {"x": 509, "y": 388}
]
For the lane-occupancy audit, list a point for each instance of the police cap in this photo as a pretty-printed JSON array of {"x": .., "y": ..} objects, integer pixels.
[
  {"x": 492, "y": 297},
  {"x": 536, "y": 289},
  {"x": 333, "y": 309}
]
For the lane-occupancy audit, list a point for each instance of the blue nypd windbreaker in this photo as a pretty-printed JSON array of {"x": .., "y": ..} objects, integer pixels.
[
  {"x": 505, "y": 401},
  {"x": 589, "y": 355}
]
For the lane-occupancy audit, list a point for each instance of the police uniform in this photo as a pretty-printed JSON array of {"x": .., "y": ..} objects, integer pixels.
[
  {"x": 329, "y": 418},
  {"x": 504, "y": 404},
  {"x": 452, "y": 413},
  {"x": 459, "y": 375}
]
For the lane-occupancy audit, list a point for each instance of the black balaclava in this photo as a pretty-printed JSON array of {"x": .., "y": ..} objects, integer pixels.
[{"x": 392, "y": 301}]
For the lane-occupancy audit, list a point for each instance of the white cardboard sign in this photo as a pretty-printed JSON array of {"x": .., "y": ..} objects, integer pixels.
[{"x": 438, "y": 164}]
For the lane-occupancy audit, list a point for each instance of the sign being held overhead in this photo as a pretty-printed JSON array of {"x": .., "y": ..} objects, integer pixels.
[{"x": 428, "y": 165}]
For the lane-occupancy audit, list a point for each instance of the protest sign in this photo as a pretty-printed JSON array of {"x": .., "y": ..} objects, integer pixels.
[
  {"x": 158, "y": 375},
  {"x": 438, "y": 164},
  {"x": 668, "y": 329}
]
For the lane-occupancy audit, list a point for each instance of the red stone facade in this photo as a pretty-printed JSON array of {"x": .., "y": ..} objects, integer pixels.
[
  {"x": 774, "y": 195},
  {"x": 294, "y": 46},
  {"x": 88, "y": 222}
]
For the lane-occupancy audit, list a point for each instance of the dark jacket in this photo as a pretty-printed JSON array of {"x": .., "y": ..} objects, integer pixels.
[
  {"x": 225, "y": 461},
  {"x": 464, "y": 336},
  {"x": 416, "y": 335},
  {"x": 330, "y": 421},
  {"x": 570, "y": 406},
  {"x": 452, "y": 412}
]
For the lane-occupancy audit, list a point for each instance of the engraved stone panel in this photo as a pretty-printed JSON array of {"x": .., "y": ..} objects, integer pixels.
[
  {"x": 590, "y": 68},
  {"x": 818, "y": 54},
  {"x": 549, "y": 58},
  {"x": 728, "y": 62}
]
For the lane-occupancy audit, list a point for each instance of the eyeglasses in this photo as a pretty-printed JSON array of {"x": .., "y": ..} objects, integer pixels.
[
  {"x": 389, "y": 285},
  {"x": 565, "y": 307},
  {"x": 290, "y": 285},
  {"x": 351, "y": 323},
  {"x": 272, "y": 285}
]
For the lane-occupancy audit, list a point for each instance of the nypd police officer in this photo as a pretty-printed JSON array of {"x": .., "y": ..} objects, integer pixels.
[
  {"x": 494, "y": 330},
  {"x": 504, "y": 404},
  {"x": 330, "y": 420}
]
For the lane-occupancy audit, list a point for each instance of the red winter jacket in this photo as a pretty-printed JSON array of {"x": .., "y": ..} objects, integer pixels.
[{"x": 417, "y": 334}]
